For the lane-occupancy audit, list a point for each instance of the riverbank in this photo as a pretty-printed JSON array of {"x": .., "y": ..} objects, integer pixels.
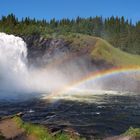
[
  {"x": 97, "y": 116},
  {"x": 13, "y": 127}
]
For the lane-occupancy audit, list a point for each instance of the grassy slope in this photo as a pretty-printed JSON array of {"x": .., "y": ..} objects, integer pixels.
[
  {"x": 100, "y": 49},
  {"x": 41, "y": 133},
  {"x": 133, "y": 132},
  {"x": 105, "y": 51}
]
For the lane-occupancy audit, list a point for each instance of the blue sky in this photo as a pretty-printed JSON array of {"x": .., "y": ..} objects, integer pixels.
[{"x": 71, "y": 8}]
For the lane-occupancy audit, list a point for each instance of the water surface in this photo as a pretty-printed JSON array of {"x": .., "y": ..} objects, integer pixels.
[{"x": 92, "y": 115}]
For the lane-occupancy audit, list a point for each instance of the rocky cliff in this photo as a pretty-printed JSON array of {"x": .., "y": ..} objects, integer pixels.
[
  {"x": 78, "y": 56},
  {"x": 42, "y": 51}
]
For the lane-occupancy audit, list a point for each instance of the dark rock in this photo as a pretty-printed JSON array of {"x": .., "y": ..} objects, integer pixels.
[{"x": 41, "y": 50}]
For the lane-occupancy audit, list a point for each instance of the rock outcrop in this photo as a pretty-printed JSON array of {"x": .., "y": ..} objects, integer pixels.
[{"x": 42, "y": 51}]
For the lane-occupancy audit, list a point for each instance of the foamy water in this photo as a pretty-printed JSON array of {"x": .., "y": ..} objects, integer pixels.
[
  {"x": 17, "y": 78},
  {"x": 87, "y": 96},
  {"x": 13, "y": 59}
]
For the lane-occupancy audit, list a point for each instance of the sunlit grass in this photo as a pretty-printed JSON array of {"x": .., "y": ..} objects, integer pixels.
[
  {"x": 100, "y": 50},
  {"x": 106, "y": 52},
  {"x": 133, "y": 132},
  {"x": 42, "y": 133}
]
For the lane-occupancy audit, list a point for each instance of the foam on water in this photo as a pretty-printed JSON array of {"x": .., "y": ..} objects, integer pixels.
[
  {"x": 13, "y": 59},
  {"x": 88, "y": 95},
  {"x": 16, "y": 77}
]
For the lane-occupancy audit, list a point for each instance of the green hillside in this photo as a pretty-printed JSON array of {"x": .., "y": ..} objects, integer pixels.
[
  {"x": 100, "y": 50},
  {"x": 104, "y": 51}
]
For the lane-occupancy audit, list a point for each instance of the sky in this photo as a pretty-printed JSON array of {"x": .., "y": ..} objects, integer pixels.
[{"x": 58, "y": 9}]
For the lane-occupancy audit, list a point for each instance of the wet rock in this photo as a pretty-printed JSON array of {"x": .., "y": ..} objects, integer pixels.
[
  {"x": 51, "y": 114},
  {"x": 71, "y": 132},
  {"x": 40, "y": 49}
]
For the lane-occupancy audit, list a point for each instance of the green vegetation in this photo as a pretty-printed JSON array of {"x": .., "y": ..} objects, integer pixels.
[
  {"x": 41, "y": 133},
  {"x": 133, "y": 132},
  {"x": 122, "y": 37},
  {"x": 118, "y": 31},
  {"x": 100, "y": 50},
  {"x": 106, "y": 52}
]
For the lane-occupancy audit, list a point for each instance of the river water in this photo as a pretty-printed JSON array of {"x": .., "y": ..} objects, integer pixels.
[{"x": 91, "y": 116}]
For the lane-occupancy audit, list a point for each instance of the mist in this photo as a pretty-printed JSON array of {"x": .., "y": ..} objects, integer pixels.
[{"x": 17, "y": 77}]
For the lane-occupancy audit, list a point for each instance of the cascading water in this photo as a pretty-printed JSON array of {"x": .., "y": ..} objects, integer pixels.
[
  {"x": 16, "y": 77},
  {"x": 13, "y": 59}
]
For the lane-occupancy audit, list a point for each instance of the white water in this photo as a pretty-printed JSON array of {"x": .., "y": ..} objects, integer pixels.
[
  {"x": 13, "y": 59},
  {"x": 16, "y": 77}
]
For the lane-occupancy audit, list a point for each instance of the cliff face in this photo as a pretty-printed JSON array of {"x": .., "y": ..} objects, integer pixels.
[
  {"x": 73, "y": 61},
  {"x": 43, "y": 51}
]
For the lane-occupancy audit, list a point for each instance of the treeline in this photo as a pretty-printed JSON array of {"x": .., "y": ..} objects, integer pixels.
[{"x": 119, "y": 31}]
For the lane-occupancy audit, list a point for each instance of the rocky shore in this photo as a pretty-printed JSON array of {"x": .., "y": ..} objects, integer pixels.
[{"x": 12, "y": 128}]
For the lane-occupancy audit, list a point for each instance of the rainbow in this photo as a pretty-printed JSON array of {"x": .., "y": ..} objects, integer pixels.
[{"x": 95, "y": 75}]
